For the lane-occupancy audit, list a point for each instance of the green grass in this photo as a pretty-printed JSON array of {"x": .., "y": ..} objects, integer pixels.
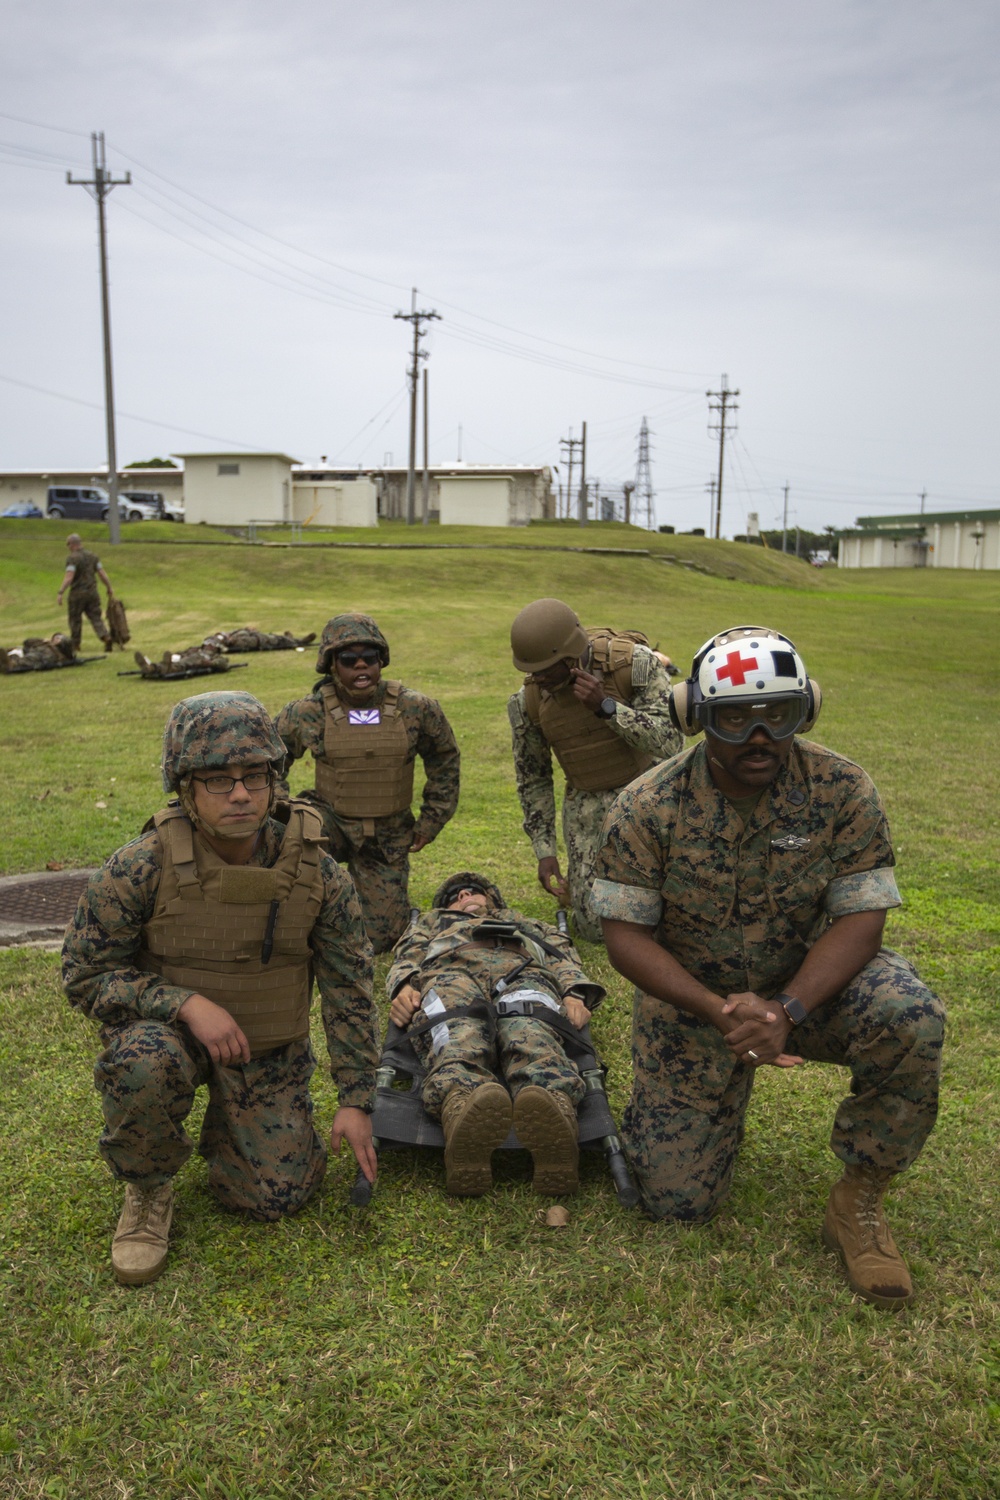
[{"x": 446, "y": 1348}]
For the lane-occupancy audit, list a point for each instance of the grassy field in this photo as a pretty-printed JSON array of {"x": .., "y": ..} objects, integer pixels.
[{"x": 447, "y": 1348}]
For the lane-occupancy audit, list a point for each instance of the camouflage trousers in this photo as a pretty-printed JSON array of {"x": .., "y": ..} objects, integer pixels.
[
  {"x": 264, "y": 1157},
  {"x": 583, "y": 815},
  {"x": 79, "y": 605},
  {"x": 684, "y": 1122},
  {"x": 463, "y": 1051},
  {"x": 380, "y": 869}
]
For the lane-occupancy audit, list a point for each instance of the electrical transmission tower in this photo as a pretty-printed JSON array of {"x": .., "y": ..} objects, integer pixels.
[
  {"x": 99, "y": 186},
  {"x": 418, "y": 319},
  {"x": 722, "y": 402},
  {"x": 645, "y": 503}
]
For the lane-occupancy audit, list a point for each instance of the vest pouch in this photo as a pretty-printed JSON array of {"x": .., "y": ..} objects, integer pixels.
[{"x": 366, "y": 769}]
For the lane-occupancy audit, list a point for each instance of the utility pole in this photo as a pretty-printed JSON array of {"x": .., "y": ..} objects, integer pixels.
[
  {"x": 426, "y": 495},
  {"x": 417, "y": 319},
  {"x": 710, "y": 487},
  {"x": 784, "y": 520},
  {"x": 923, "y": 500},
  {"x": 644, "y": 499},
  {"x": 722, "y": 402},
  {"x": 582, "y": 508},
  {"x": 99, "y": 187},
  {"x": 570, "y": 446}
]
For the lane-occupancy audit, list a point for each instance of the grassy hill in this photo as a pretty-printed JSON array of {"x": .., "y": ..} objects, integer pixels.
[{"x": 439, "y": 1347}]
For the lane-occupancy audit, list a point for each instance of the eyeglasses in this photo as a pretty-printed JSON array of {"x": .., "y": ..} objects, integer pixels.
[
  {"x": 736, "y": 722},
  {"x": 351, "y": 658},
  {"x": 221, "y": 786}
]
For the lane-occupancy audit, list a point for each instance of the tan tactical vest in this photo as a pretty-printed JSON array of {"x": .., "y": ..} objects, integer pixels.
[
  {"x": 210, "y": 926},
  {"x": 365, "y": 770},
  {"x": 593, "y": 757}
]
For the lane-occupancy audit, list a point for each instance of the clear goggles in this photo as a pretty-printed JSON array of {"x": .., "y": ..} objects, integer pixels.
[{"x": 735, "y": 722}]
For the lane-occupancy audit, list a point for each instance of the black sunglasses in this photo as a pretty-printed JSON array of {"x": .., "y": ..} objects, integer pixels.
[{"x": 352, "y": 658}]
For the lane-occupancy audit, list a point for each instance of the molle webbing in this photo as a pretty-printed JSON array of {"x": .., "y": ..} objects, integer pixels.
[
  {"x": 366, "y": 770},
  {"x": 210, "y": 927},
  {"x": 593, "y": 757}
]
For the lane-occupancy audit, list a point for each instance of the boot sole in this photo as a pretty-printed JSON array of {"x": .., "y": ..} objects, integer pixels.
[
  {"x": 139, "y": 1278},
  {"x": 888, "y": 1304},
  {"x": 483, "y": 1128},
  {"x": 542, "y": 1129}
]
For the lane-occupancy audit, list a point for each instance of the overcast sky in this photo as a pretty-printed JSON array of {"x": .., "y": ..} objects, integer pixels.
[{"x": 609, "y": 204}]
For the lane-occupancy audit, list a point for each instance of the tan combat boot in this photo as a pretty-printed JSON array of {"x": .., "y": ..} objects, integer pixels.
[
  {"x": 855, "y": 1227},
  {"x": 139, "y": 1248},
  {"x": 475, "y": 1122},
  {"x": 546, "y": 1125}
]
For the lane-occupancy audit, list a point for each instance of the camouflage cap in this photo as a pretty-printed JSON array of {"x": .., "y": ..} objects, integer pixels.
[
  {"x": 350, "y": 630},
  {"x": 214, "y": 730},
  {"x": 466, "y": 880}
]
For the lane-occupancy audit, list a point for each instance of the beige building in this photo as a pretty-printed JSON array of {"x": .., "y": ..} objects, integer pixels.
[
  {"x": 945, "y": 539},
  {"x": 17, "y": 485},
  {"x": 471, "y": 494},
  {"x": 348, "y": 501},
  {"x": 234, "y": 489}
]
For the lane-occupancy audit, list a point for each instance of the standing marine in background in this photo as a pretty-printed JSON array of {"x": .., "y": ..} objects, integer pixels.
[
  {"x": 600, "y": 701},
  {"x": 83, "y": 569},
  {"x": 365, "y": 734}
]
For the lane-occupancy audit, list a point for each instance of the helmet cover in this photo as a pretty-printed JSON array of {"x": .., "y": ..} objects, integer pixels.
[
  {"x": 349, "y": 630},
  {"x": 466, "y": 880},
  {"x": 545, "y": 632},
  {"x": 215, "y": 730}
]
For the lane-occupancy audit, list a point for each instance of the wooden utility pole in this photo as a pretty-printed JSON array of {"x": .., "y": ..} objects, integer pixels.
[
  {"x": 784, "y": 520},
  {"x": 417, "y": 319},
  {"x": 570, "y": 446},
  {"x": 99, "y": 186},
  {"x": 425, "y": 498},
  {"x": 582, "y": 512},
  {"x": 722, "y": 402}
]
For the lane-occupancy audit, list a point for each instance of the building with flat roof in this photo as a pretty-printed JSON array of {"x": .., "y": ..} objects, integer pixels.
[{"x": 940, "y": 539}]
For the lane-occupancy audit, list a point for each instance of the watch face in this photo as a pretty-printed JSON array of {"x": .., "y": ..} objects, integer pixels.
[
  {"x": 795, "y": 1011},
  {"x": 609, "y": 708}
]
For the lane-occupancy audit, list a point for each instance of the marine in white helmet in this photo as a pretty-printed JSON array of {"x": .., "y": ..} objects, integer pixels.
[{"x": 743, "y": 888}]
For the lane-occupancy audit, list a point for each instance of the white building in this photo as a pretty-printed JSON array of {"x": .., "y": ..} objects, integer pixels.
[{"x": 946, "y": 539}]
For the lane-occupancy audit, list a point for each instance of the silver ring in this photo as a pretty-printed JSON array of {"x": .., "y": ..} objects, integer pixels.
[{"x": 754, "y": 1056}]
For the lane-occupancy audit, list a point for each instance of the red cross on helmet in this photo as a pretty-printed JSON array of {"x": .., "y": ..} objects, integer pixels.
[{"x": 745, "y": 677}]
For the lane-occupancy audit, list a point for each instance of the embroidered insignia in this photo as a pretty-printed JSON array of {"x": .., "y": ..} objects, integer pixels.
[
  {"x": 364, "y": 716},
  {"x": 791, "y": 841}
]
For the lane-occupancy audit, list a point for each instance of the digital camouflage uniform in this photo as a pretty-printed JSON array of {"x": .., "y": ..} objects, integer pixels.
[
  {"x": 248, "y": 639},
  {"x": 644, "y": 723},
  {"x": 39, "y": 655},
  {"x": 377, "y": 858},
  {"x": 264, "y": 1157},
  {"x": 462, "y": 1051},
  {"x": 195, "y": 661},
  {"x": 739, "y": 908},
  {"x": 84, "y": 598}
]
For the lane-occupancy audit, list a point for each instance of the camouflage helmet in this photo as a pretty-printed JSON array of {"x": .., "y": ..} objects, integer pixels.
[
  {"x": 544, "y": 633},
  {"x": 350, "y": 630},
  {"x": 466, "y": 880},
  {"x": 214, "y": 730}
]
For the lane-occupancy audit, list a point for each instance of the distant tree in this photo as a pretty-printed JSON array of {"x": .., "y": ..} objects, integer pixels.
[{"x": 153, "y": 463}]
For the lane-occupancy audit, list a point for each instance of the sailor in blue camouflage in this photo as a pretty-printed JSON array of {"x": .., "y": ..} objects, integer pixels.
[
  {"x": 736, "y": 880},
  {"x": 442, "y": 963},
  {"x": 264, "y": 1156}
]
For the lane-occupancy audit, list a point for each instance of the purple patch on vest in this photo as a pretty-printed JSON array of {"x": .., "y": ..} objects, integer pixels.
[{"x": 364, "y": 716}]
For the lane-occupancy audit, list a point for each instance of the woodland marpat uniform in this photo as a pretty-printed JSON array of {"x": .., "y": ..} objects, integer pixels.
[
  {"x": 739, "y": 907},
  {"x": 263, "y": 1155},
  {"x": 643, "y": 723}
]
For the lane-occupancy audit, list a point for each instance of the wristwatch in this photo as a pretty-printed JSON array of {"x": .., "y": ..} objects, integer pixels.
[
  {"x": 608, "y": 708},
  {"x": 794, "y": 1009}
]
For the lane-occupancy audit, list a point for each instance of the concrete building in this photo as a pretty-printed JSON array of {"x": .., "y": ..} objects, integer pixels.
[
  {"x": 944, "y": 539},
  {"x": 233, "y": 489},
  {"x": 33, "y": 484},
  {"x": 472, "y": 494}
]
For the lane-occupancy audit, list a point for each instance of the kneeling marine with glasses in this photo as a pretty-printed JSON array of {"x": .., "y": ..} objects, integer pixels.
[{"x": 196, "y": 947}]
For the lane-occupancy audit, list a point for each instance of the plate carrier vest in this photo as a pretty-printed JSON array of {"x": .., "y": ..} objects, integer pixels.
[
  {"x": 593, "y": 757},
  {"x": 209, "y": 928},
  {"x": 366, "y": 770}
]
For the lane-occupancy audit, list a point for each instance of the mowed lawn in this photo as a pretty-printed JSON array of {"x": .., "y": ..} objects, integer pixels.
[{"x": 438, "y": 1347}]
